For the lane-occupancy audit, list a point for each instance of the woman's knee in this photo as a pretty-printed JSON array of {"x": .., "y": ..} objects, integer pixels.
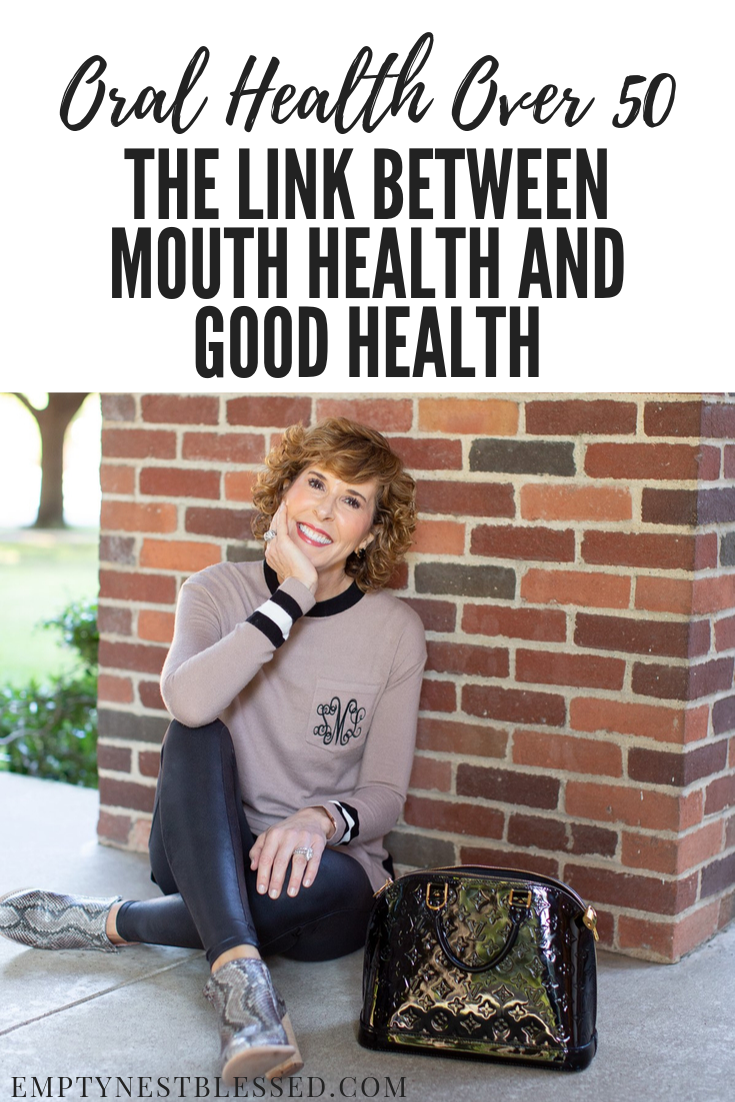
[{"x": 197, "y": 742}]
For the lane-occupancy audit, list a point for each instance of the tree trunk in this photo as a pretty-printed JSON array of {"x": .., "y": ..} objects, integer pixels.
[{"x": 53, "y": 421}]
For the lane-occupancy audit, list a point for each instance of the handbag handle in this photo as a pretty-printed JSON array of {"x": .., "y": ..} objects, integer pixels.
[{"x": 517, "y": 902}]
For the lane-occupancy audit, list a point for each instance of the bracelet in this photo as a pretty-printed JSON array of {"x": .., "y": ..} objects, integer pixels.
[{"x": 333, "y": 821}]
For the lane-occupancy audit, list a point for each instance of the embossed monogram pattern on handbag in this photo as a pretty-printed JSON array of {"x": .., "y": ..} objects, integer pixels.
[{"x": 481, "y": 962}]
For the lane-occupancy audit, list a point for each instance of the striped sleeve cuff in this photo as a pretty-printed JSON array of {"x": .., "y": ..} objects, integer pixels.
[
  {"x": 276, "y": 617},
  {"x": 352, "y": 821}
]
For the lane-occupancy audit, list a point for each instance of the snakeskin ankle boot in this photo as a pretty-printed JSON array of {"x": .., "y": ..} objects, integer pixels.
[
  {"x": 47, "y": 920},
  {"x": 253, "y": 1022}
]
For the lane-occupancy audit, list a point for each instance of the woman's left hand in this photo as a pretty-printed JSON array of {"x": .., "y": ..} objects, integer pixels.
[{"x": 275, "y": 847}]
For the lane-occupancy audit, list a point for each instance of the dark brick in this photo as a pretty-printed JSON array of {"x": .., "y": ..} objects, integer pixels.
[
  {"x": 459, "y": 580},
  {"x": 718, "y": 876},
  {"x": 672, "y": 418},
  {"x": 454, "y": 818},
  {"x": 537, "y": 832},
  {"x": 243, "y": 552},
  {"x": 154, "y": 588},
  {"x": 592, "y": 839},
  {"x": 514, "y": 705},
  {"x": 419, "y": 850},
  {"x": 718, "y": 421},
  {"x": 114, "y": 757},
  {"x": 680, "y": 682},
  {"x": 658, "y": 551},
  {"x": 668, "y": 767},
  {"x": 263, "y": 412},
  {"x": 711, "y": 677},
  {"x": 126, "y": 794},
  {"x": 522, "y": 457},
  {"x": 130, "y": 727},
  {"x": 643, "y": 893},
  {"x": 579, "y": 418},
  {"x": 118, "y": 549},
  {"x": 472, "y": 499},
  {"x": 505, "y": 541},
  {"x": 723, "y": 715},
  {"x": 558, "y": 668},
  {"x": 225, "y": 523},
  {"x": 462, "y": 658},
  {"x": 716, "y": 506},
  {"x": 438, "y": 696},
  {"x": 720, "y": 794},
  {"x": 435, "y": 615},
  {"x": 118, "y": 407},
  {"x": 114, "y": 621},
  {"x": 669, "y": 506},
  {"x": 150, "y": 695},
  {"x": 509, "y": 859},
  {"x": 669, "y": 638},
  {"x": 465, "y": 739},
  {"x": 727, "y": 549},
  {"x": 507, "y": 787},
  {"x": 132, "y": 656},
  {"x": 178, "y": 409},
  {"x": 428, "y": 454}
]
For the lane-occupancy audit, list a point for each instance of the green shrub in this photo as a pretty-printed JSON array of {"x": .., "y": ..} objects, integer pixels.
[{"x": 50, "y": 730}]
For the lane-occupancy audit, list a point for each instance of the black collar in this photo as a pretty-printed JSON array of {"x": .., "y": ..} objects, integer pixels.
[{"x": 330, "y": 607}]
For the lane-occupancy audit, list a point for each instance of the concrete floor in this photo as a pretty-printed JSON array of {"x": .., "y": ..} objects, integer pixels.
[{"x": 666, "y": 1032}]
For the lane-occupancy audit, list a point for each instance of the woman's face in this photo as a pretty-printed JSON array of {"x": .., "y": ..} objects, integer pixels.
[{"x": 328, "y": 519}]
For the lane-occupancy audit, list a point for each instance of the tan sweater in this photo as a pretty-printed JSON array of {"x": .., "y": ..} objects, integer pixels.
[{"x": 328, "y": 718}]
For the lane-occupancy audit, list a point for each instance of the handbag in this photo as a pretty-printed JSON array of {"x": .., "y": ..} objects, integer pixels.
[{"x": 476, "y": 961}]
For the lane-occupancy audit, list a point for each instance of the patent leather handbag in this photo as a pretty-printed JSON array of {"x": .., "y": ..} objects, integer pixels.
[{"x": 484, "y": 962}]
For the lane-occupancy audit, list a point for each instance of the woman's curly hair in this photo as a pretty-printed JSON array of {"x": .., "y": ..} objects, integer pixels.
[{"x": 355, "y": 454}]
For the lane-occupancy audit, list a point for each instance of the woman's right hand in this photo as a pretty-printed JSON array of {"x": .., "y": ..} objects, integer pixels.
[{"x": 285, "y": 557}]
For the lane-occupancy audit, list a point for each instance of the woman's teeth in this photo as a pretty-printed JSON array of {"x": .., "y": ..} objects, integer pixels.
[{"x": 318, "y": 537}]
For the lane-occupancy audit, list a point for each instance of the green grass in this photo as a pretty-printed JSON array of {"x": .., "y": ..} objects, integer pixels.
[{"x": 39, "y": 574}]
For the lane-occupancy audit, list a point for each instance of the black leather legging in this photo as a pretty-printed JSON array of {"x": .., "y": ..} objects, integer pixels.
[{"x": 199, "y": 845}]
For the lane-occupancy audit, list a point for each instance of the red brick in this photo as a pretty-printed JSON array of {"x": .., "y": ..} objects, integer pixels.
[
  {"x": 112, "y": 620},
  {"x": 620, "y": 717},
  {"x": 432, "y": 454},
  {"x": 438, "y": 696},
  {"x": 650, "y": 851},
  {"x": 472, "y": 499},
  {"x": 709, "y": 464},
  {"x": 149, "y": 693},
  {"x": 622, "y": 889},
  {"x": 508, "y": 786},
  {"x": 123, "y": 586},
  {"x": 606, "y": 503},
  {"x": 700, "y": 845},
  {"x": 655, "y": 550},
  {"x": 118, "y": 690},
  {"x": 223, "y": 523},
  {"x": 576, "y": 587},
  {"x": 509, "y": 859},
  {"x": 461, "y": 658},
  {"x": 439, "y": 537},
  {"x": 462, "y": 739},
  {"x": 454, "y": 818},
  {"x": 429, "y": 774},
  {"x": 114, "y": 828},
  {"x": 130, "y": 516},
  {"x": 117, "y": 758},
  {"x": 705, "y": 551},
  {"x": 729, "y": 465},
  {"x": 149, "y": 762},
  {"x": 694, "y": 929},
  {"x": 156, "y": 626},
  {"x": 718, "y": 420},
  {"x": 138, "y": 444},
  {"x": 383, "y": 414},
  {"x": 117, "y": 479},
  {"x": 573, "y": 417},
  {"x": 117, "y": 549},
  {"x": 662, "y": 462},
  {"x": 504, "y": 541},
  {"x": 476, "y": 416},
  {"x": 177, "y": 409},
  {"x": 515, "y": 623},
  {"x": 725, "y": 633},
  {"x": 184, "y": 555},
  {"x": 638, "y": 807},
  {"x": 118, "y": 407},
  {"x": 239, "y": 485},
  {"x": 269, "y": 411},
  {"x": 714, "y": 594},
  {"x": 514, "y": 705},
  {"x": 545, "y": 750},
  {"x": 676, "y": 639},
  {"x": 559, "y": 668},
  {"x": 399, "y": 577},
  {"x": 664, "y": 594},
  {"x": 672, "y": 418},
  {"x": 719, "y": 795},
  {"x": 179, "y": 482},
  {"x": 126, "y": 794},
  {"x": 435, "y": 615},
  {"x": 132, "y": 656},
  {"x": 224, "y": 447}
]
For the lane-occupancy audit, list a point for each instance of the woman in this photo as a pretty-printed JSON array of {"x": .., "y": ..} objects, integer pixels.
[{"x": 294, "y": 687}]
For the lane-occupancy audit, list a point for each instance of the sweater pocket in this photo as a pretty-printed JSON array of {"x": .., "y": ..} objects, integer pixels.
[{"x": 340, "y": 718}]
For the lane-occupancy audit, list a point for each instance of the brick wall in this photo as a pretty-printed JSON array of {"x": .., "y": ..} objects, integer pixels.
[{"x": 575, "y": 569}]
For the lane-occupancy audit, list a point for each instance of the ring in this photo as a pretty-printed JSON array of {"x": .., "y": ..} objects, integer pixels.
[
  {"x": 269, "y": 535},
  {"x": 304, "y": 851}
]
